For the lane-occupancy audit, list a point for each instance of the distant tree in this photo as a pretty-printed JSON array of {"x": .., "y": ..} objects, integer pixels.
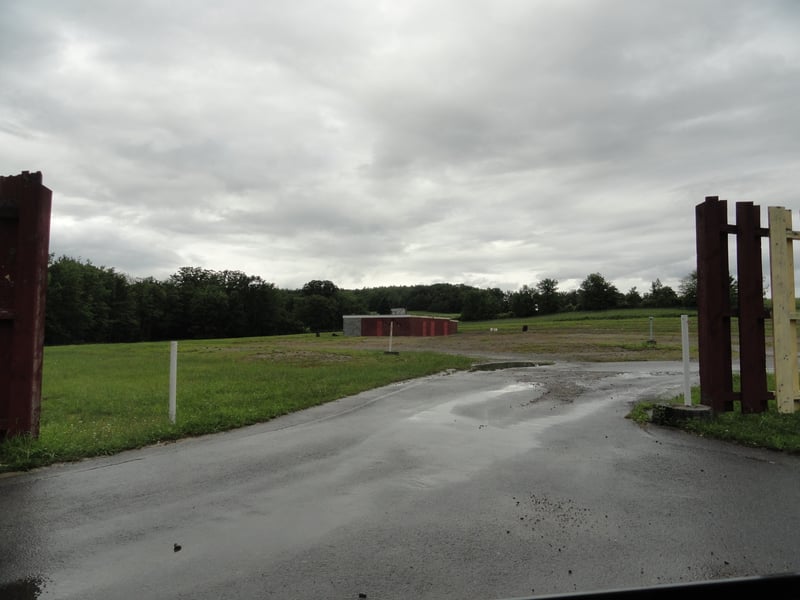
[
  {"x": 568, "y": 301},
  {"x": 500, "y": 299},
  {"x": 150, "y": 300},
  {"x": 595, "y": 293},
  {"x": 207, "y": 308},
  {"x": 447, "y": 298},
  {"x": 480, "y": 305},
  {"x": 660, "y": 296},
  {"x": 320, "y": 288},
  {"x": 523, "y": 302},
  {"x": 123, "y": 322},
  {"x": 419, "y": 297},
  {"x": 633, "y": 298},
  {"x": 320, "y": 306},
  {"x": 548, "y": 297},
  {"x": 267, "y": 311},
  {"x": 86, "y": 303},
  {"x": 197, "y": 304},
  {"x": 200, "y": 303},
  {"x": 351, "y": 303},
  {"x": 687, "y": 290},
  {"x": 384, "y": 302},
  {"x": 319, "y": 313}
]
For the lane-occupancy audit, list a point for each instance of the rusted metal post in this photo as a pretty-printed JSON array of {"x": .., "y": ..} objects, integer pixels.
[
  {"x": 24, "y": 245},
  {"x": 713, "y": 305},
  {"x": 752, "y": 345}
]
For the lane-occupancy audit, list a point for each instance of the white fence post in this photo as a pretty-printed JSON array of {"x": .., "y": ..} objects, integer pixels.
[
  {"x": 173, "y": 380},
  {"x": 687, "y": 389}
]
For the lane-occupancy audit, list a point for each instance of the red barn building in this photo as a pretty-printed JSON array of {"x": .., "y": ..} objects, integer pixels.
[{"x": 408, "y": 325}]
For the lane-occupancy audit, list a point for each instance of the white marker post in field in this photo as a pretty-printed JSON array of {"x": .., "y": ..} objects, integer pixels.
[
  {"x": 173, "y": 380},
  {"x": 687, "y": 390},
  {"x": 391, "y": 335}
]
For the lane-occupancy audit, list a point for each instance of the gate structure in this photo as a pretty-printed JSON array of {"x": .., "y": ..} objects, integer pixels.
[
  {"x": 24, "y": 241},
  {"x": 715, "y": 310}
]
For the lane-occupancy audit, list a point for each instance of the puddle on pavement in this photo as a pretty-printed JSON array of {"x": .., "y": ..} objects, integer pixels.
[
  {"x": 484, "y": 406},
  {"x": 494, "y": 366},
  {"x": 452, "y": 440},
  {"x": 520, "y": 386}
]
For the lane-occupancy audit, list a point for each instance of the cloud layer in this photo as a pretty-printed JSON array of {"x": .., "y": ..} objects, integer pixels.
[{"x": 378, "y": 143}]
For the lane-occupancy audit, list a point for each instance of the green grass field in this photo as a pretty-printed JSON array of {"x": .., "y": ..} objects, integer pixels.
[{"x": 102, "y": 399}]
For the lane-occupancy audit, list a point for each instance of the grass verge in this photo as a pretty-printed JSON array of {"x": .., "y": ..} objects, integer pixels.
[{"x": 770, "y": 429}]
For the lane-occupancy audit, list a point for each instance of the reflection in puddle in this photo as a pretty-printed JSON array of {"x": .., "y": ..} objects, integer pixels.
[
  {"x": 518, "y": 387},
  {"x": 495, "y": 406},
  {"x": 453, "y": 439}
]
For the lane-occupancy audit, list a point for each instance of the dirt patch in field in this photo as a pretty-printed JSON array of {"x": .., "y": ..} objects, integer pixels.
[
  {"x": 536, "y": 346},
  {"x": 300, "y": 356}
]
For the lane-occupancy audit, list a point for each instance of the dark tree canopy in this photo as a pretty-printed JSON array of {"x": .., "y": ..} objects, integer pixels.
[
  {"x": 547, "y": 290},
  {"x": 633, "y": 298},
  {"x": 595, "y": 293},
  {"x": 660, "y": 296},
  {"x": 324, "y": 288},
  {"x": 480, "y": 305},
  {"x": 86, "y": 303},
  {"x": 688, "y": 289},
  {"x": 524, "y": 302},
  {"x": 91, "y": 304}
]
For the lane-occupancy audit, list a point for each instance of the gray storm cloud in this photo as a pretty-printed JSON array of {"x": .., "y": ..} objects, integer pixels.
[{"x": 487, "y": 143}]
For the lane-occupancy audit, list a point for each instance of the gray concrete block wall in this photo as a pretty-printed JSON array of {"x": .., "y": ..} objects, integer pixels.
[{"x": 352, "y": 325}]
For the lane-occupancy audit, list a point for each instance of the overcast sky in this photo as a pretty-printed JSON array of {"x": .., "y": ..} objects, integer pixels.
[{"x": 492, "y": 143}]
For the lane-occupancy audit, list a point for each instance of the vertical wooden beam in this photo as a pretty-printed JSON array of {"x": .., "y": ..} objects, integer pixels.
[
  {"x": 784, "y": 312},
  {"x": 752, "y": 347},
  {"x": 713, "y": 305},
  {"x": 25, "y": 214}
]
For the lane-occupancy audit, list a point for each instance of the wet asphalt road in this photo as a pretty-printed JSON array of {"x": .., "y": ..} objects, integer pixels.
[{"x": 480, "y": 485}]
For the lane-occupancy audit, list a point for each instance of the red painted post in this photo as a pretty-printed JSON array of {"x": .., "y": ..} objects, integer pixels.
[
  {"x": 752, "y": 345},
  {"x": 24, "y": 245},
  {"x": 713, "y": 305}
]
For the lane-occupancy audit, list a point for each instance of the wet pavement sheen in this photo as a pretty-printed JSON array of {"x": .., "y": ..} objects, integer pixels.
[{"x": 487, "y": 484}]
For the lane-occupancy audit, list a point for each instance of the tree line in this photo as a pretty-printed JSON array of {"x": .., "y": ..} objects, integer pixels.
[{"x": 96, "y": 304}]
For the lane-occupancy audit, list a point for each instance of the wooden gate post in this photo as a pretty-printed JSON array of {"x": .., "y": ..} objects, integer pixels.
[
  {"x": 784, "y": 310},
  {"x": 713, "y": 305},
  {"x": 752, "y": 346},
  {"x": 24, "y": 241}
]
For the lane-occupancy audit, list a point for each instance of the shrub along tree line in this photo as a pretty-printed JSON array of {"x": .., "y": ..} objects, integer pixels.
[{"x": 91, "y": 304}]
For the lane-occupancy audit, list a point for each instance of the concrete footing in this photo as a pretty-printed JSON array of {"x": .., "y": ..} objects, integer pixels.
[{"x": 673, "y": 414}]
